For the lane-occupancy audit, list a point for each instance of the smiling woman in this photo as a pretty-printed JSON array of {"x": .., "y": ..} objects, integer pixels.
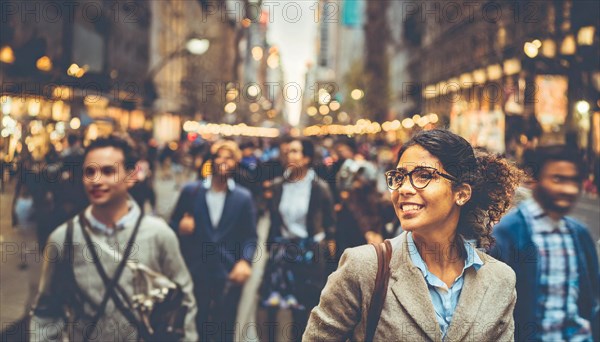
[
  {"x": 441, "y": 286},
  {"x": 486, "y": 182}
]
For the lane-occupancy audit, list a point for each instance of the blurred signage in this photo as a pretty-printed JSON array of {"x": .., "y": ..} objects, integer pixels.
[
  {"x": 551, "y": 102},
  {"x": 482, "y": 128},
  {"x": 352, "y": 13},
  {"x": 167, "y": 127}
]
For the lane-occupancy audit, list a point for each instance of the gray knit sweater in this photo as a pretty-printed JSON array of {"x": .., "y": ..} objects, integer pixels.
[{"x": 156, "y": 246}]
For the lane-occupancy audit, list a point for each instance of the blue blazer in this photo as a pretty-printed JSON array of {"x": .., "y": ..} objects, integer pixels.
[
  {"x": 514, "y": 246},
  {"x": 211, "y": 252}
]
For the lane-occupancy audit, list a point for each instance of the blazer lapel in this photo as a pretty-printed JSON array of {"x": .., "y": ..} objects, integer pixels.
[
  {"x": 202, "y": 208},
  {"x": 471, "y": 298},
  {"x": 227, "y": 216},
  {"x": 410, "y": 289}
]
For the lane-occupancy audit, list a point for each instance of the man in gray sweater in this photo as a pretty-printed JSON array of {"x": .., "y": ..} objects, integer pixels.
[{"x": 106, "y": 226}]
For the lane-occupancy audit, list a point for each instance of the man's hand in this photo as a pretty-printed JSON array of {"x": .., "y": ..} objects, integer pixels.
[
  {"x": 241, "y": 272},
  {"x": 186, "y": 225}
]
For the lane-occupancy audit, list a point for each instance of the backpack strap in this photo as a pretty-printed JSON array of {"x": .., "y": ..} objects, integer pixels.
[{"x": 384, "y": 255}]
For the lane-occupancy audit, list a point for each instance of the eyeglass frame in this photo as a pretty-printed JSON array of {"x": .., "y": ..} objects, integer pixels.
[{"x": 409, "y": 174}]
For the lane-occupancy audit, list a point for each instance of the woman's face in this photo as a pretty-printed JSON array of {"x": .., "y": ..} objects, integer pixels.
[
  {"x": 431, "y": 208},
  {"x": 295, "y": 157}
]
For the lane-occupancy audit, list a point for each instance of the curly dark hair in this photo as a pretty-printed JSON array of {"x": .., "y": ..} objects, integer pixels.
[{"x": 492, "y": 178}]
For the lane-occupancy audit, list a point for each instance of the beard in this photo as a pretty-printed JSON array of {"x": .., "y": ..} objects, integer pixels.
[{"x": 550, "y": 201}]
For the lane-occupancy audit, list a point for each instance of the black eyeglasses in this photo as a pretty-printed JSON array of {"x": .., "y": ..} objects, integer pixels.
[{"x": 419, "y": 177}]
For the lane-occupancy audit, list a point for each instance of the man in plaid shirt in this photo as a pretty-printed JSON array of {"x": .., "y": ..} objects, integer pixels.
[{"x": 553, "y": 256}]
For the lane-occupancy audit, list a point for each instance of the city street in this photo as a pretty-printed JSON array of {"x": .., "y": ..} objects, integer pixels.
[
  {"x": 14, "y": 288},
  {"x": 369, "y": 96}
]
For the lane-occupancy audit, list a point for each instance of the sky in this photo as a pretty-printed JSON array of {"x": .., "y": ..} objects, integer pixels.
[{"x": 293, "y": 30}]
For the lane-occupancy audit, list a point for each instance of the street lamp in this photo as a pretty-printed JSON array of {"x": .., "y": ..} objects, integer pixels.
[{"x": 193, "y": 46}]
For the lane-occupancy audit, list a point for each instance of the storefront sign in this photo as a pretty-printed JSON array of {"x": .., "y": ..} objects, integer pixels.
[{"x": 551, "y": 102}]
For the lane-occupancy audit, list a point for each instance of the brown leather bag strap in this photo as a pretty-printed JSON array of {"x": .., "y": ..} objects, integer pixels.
[{"x": 384, "y": 255}]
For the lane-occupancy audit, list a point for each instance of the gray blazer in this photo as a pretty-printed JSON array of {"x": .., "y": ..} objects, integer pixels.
[{"x": 484, "y": 311}]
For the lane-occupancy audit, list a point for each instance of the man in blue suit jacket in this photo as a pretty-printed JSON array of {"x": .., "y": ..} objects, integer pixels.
[
  {"x": 553, "y": 256},
  {"x": 216, "y": 222}
]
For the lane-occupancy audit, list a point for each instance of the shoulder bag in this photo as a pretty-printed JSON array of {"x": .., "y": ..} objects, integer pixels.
[{"x": 384, "y": 255}]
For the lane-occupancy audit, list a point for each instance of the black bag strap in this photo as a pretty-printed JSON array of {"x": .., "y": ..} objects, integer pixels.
[
  {"x": 384, "y": 255},
  {"x": 74, "y": 296},
  {"x": 112, "y": 284}
]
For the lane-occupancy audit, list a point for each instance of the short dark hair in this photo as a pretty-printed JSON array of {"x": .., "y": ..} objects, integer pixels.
[
  {"x": 129, "y": 153},
  {"x": 308, "y": 149},
  {"x": 351, "y": 143},
  {"x": 247, "y": 144},
  {"x": 73, "y": 139},
  {"x": 285, "y": 140},
  {"x": 545, "y": 154}
]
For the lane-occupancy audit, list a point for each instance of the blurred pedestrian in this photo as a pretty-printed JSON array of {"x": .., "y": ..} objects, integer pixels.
[
  {"x": 440, "y": 287},
  {"x": 275, "y": 166},
  {"x": 165, "y": 157},
  {"x": 248, "y": 173},
  {"x": 26, "y": 204},
  {"x": 351, "y": 161},
  {"x": 216, "y": 222},
  {"x": 350, "y": 167},
  {"x": 143, "y": 190},
  {"x": 96, "y": 300},
  {"x": 68, "y": 192},
  {"x": 302, "y": 220},
  {"x": 553, "y": 255},
  {"x": 178, "y": 164},
  {"x": 364, "y": 214}
]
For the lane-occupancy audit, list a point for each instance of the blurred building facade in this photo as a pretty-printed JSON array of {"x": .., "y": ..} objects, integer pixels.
[
  {"x": 362, "y": 62},
  {"x": 231, "y": 83},
  {"x": 187, "y": 86},
  {"x": 509, "y": 75},
  {"x": 259, "y": 100},
  {"x": 67, "y": 65},
  {"x": 90, "y": 67}
]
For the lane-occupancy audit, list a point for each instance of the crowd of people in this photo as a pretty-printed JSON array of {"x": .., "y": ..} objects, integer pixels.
[{"x": 458, "y": 268}]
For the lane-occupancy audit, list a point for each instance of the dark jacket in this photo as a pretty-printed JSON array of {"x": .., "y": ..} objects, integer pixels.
[
  {"x": 212, "y": 252},
  {"x": 320, "y": 210},
  {"x": 515, "y": 247}
]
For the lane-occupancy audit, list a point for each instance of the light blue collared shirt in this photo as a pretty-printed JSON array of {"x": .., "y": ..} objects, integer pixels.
[
  {"x": 444, "y": 299},
  {"x": 132, "y": 215}
]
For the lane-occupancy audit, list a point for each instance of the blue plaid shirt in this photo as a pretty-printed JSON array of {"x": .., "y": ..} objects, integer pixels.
[{"x": 559, "y": 318}]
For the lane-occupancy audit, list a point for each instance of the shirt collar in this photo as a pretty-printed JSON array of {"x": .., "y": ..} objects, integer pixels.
[
  {"x": 472, "y": 258},
  {"x": 534, "y": 211},
  {"x": 207, "y": 183},
  {"x": 132, "y": 214},
  {"x": 310, "y": 176},
  {"x": 533, "y": 208}
]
